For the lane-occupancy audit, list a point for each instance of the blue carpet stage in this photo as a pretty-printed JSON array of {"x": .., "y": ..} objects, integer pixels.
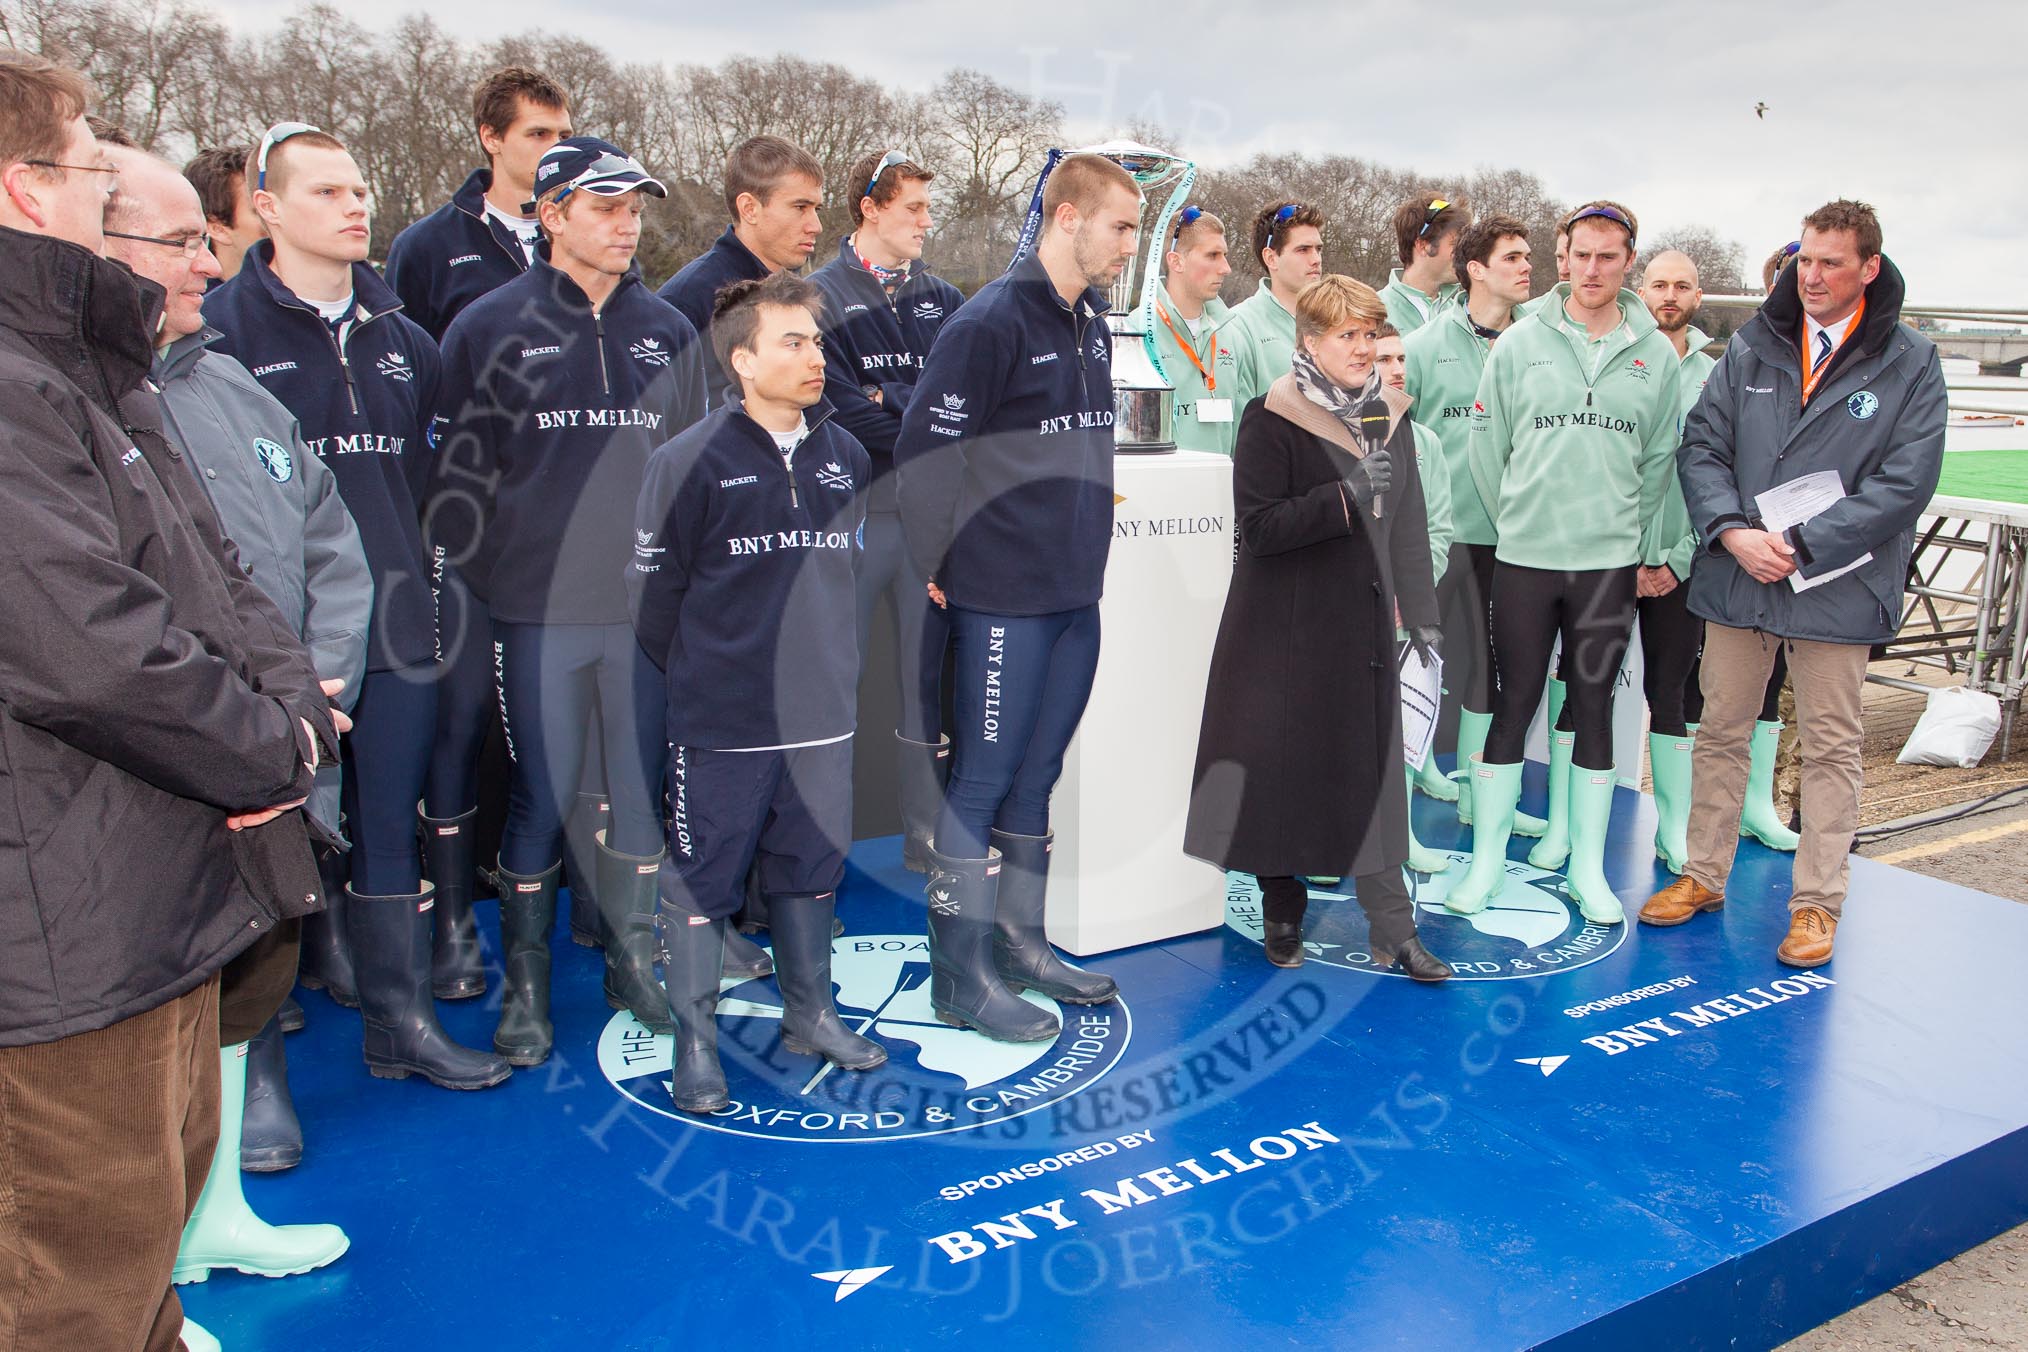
[{"x": 1597, "y": 1139}]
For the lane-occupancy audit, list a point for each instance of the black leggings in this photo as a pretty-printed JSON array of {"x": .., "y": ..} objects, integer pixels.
[
  {"x": 1672, "y": 647},
  {"x": 1594, "y": 613},
  {"x": 1464, "y": 599}
]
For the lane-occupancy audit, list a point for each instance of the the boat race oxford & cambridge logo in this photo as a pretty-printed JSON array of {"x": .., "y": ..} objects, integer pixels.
[
  {"x": 1531, "y": 928},
  {"x": 937, "y": 1079}
]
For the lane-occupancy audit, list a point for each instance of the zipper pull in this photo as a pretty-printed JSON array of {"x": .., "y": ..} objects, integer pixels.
[{"x": 1587, "y": 396}]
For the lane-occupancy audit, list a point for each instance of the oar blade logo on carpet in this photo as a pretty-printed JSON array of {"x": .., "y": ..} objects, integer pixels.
[
  {"x": 1548, "y": 1065},
  {"x": 937, "y": 1078},
  {"x": 1531, "y": 928},
  {"x": 851, "y": 1279}
]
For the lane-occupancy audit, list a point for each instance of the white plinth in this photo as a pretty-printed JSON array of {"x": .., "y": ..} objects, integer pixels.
[{"x": 1119, "y": 875}]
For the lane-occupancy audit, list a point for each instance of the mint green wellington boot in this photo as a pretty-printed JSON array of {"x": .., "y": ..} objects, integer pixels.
[
  {"x": 1432, "y": 782},
  {"x": 1554, "y": 847},
  {"x": 1421, "y": 859},
  {"x": 223, "y": 1231},
  {"x": 1495, "y": 789},
  {"x": 1558, "y": 692},
  {"x": 1472, "y": 730},
  {"x": 1757, "y": 816},
  {"x": 1669, "y": 759},
  {"x": 1591, "y": 811}
]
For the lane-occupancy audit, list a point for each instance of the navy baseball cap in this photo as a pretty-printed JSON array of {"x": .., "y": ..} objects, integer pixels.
[{"x": 591, "y": 164}]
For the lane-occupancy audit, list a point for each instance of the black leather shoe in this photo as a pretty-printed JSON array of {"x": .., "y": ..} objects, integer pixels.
[
  {"x": 1282, "y": 941},
  {"x": 1417, "y": 961}
]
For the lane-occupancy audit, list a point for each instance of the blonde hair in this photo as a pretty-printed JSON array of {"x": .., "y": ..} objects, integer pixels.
[{"x": 1335, "y": 300}]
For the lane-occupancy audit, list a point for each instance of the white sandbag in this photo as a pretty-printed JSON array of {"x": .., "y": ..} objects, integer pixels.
[{"x": 1956, "y": 728}]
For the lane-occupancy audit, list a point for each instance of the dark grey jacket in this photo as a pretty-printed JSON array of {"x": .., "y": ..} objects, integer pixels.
[
  {"x": 280, "y": 505},
  {"x": 147, "y": 688},
  {"x": 1877, "y": 418}
]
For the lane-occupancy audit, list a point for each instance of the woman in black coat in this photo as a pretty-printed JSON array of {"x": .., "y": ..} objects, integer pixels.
[{"x": 1299, "y": 760}]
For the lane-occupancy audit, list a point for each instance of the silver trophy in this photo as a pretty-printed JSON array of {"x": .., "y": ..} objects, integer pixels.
[{"x": 1143, "y": 398}]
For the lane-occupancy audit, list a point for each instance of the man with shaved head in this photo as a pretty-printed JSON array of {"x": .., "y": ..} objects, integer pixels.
[
  {"x": 281, "y": 506},
  {"x": 1671, "y": 637}
]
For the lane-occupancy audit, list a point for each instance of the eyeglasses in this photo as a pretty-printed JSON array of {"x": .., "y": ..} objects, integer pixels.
[
  {"x": 112, "y": 174},
  {"x": 1185, "y": 218},
  {"x": 1792, "y": 248},
  {"x": 276, "y": 134},
  {"x": 1436, "y": 208},
  {"x": 887, "y": 162},
  {"x": 191, "y": 245},
  {"x": 1613, "y": 214},
  {"x": 1283, "y": 215}
]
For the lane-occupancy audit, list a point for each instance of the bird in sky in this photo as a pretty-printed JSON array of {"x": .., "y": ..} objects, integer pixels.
[{"x": 1760, "y": 111}]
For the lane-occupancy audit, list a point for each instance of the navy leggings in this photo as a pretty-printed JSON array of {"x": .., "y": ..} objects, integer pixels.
[
  {"x": 387, "y": 754},
  {"x": 551, "y": 678},
  {"x": 921, "y": 628},
  {"x": 466, "y": 698},
  {"x": 1593, "y": 611},
  {"x": 1022, "y": 684}
]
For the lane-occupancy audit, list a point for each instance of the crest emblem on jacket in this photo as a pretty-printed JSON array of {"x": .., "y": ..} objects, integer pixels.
[
  {"x": 834, "y": 475},
  {"x": 928, "y": 309},
  {"x": 954, "y": 402},
  {"x": 1863, "y": 405},
  {"x": 650, "y": 351},
  {"x": 395, "y": 367},
  {"x": 275, "y": 459}
]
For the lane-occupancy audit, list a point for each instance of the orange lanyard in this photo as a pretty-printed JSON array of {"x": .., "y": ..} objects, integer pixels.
[
  {"x": 1813, "y": 373},
  {"x": 1190, "y": 351}
]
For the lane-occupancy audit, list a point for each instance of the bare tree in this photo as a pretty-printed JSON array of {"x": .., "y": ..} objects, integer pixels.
[
  {"x": 145, "y": 59},
  {"x": 987, "y": 145}
]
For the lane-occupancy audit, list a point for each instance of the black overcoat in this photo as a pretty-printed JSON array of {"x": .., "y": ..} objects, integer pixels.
[{"x": 1299, "y": 764}]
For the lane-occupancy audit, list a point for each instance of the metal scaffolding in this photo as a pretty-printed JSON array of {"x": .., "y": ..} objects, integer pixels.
[{"x": 1973, "y": 630}]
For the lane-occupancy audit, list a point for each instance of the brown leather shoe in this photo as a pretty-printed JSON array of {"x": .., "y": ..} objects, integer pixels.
[
  {"x": 1680, "y": 901},
  {"x": 1811, "y": 929}
]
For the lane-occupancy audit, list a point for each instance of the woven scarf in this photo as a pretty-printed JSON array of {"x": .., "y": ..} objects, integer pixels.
[{"x": 1362, "y": 411}]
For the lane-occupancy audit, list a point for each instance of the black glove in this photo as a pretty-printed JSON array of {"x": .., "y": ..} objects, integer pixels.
[
  {"x": 1370, "y": 478},
  {"x": 1426, "y": 639}
]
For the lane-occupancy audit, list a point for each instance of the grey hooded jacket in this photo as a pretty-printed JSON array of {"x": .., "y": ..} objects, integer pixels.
[
  {"x": 281, "y": 506},
  {"x": 1877, "y": 418}
]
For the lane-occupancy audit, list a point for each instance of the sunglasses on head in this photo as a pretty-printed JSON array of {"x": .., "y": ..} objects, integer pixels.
[
  {"x": 274, "y": 136},
  {"x": 887, "y": 162},
  {"x": 1283, "y": 215},
  {"x": 1436, "y": 208},
  {"x": 1185, "y": 218},
  {"x": 1613, "y": 214}
]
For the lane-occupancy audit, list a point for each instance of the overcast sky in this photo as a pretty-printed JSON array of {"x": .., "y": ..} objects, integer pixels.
[{"x": 1912, "y": 107}]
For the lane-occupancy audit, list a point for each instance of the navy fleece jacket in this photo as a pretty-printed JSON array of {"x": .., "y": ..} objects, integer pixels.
[
  {"x": 453, "y": 256},
  {"x": 1006, "y": 453},
  {"x": 741, "y": 583},
  {"x": 364, "y": 403},
  {"x": 549, "y": 412},
  {"x": 876, "y": 343}
]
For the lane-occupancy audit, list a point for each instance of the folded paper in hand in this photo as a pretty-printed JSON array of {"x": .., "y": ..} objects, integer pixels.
[{"x": 1793, "y": 503}]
